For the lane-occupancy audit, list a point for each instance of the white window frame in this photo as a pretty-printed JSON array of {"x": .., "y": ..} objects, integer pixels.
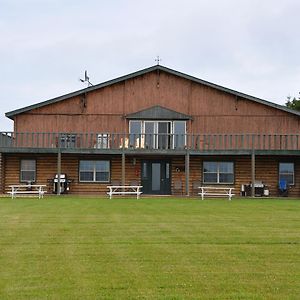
[
  {"x": 154, "y": 137},
  {"x": 141, "y": 130},
  {"x": 218, "y": 172},
  {"x": 155, "y": 134},
  {"x": 21, "y": 171},
  {"x": 94, "y": 171},
  {"x": 141, "y": 123},
  {"x": 279, "y": 173},
  {"x": 173, "y": 132}
]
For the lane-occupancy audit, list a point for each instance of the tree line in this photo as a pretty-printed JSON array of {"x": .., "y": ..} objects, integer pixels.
[{"x": 293, "y": 103}]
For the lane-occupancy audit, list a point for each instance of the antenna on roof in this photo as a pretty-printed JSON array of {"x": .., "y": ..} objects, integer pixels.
[
  {"x": 158, "y": 60},
  {"x": 86, "y": 78}
]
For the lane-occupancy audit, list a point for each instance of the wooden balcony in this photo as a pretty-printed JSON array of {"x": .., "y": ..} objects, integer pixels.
[{"x": 111, "y": 143}]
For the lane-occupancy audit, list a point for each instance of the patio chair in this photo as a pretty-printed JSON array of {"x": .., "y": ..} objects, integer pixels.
[
  {"x": 283, "y": 188},
  {"x": 178, "y": 186}
]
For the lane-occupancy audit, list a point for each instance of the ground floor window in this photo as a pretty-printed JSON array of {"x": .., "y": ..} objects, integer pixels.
[
  {"x": 94, "y": 171},
  {"x": 218, "y": 172},
  {"x": 286, "y": 172},
  {"x": 28, "y": 170}
]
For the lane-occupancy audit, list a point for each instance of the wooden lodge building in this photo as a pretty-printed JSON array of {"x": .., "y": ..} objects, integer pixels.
[{"x": 162, "y": 129}]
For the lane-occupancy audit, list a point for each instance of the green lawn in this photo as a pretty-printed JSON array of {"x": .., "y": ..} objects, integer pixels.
[{"x": 159, "y": 248}]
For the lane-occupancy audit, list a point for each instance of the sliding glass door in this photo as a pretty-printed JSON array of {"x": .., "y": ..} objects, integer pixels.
[
  {"x": 157, "y": 134},
  {"x": 179, "y": 131},
  {"x": 150, "y": 134},
  {"x": 163, "y": 135}
]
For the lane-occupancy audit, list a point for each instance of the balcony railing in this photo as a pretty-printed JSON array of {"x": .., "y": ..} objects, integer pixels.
[{"x": 175, "y": 142}]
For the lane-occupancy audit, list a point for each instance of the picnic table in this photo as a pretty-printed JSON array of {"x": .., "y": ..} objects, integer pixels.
[
  {"x": 216, "y": 191},
  {"x": 27, "y": 189},
  {"x": 124, "y": 190}
]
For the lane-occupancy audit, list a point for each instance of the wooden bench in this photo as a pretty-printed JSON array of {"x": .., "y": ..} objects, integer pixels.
[
  {"x": 216, "y": 191},
  {"x": 27, "y": 190},
  {"x": 124, "y": 190}
]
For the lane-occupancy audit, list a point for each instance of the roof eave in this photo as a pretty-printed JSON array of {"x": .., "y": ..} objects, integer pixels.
[
  {"x": 13, "y": 113},
  {"x": 157, "y": 112}
]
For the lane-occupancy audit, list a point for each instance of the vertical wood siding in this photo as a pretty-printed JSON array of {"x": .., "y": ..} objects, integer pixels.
[{"x": 213, "y": 111}]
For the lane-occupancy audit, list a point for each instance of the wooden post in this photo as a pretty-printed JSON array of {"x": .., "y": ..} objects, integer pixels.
[
  {"x": 123, "y": 168},
  {"x": 58, "y": 171},
  {"x": 187, "y": 173},
  {"x": 253, "y": 173}
]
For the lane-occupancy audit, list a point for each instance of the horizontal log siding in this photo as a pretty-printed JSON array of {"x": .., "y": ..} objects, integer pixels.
[
  {"x": 178, "y": 163},
  {"x": 266, "y": 170},
  {"x": 47, "y": 168},
  {"x": 195, "y": 173}
]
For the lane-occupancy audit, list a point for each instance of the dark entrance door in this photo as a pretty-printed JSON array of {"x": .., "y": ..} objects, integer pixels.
[{"x": 156, "y": 177}]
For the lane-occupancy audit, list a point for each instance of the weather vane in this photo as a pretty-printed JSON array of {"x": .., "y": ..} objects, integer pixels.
[
  {"x": 86, "y": 79},
  {"x": 158, "y": 59}
]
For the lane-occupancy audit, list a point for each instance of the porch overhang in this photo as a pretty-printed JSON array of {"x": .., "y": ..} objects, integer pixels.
[
  {"x": 151, "y": 152},
  {"x": 158, "y": 113}
]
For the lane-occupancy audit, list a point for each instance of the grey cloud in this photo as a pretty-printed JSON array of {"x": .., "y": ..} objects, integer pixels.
[{"x": 250, "y": 46}]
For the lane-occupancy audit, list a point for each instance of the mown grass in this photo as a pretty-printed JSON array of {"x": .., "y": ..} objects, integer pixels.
[{"x": 91, "y": 248}]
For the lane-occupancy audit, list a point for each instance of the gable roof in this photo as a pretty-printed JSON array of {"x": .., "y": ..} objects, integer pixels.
[
  {"x": 158, "y": 113},
  {"x": 13, "y": 113}
]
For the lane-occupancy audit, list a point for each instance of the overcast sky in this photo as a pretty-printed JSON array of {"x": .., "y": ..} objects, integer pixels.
[{"x": 252, "y": 46}]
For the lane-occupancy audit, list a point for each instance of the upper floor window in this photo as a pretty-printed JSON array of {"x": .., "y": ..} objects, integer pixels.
[
  {"x": 286, "y": 172},
  {"x": 179, "y": 130},
  {"x": 218, "y": 172},
  {"x": 135, "y": 130},
  {"x": 28, "y": 170},
  {"x": 157, "y": 134}
]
